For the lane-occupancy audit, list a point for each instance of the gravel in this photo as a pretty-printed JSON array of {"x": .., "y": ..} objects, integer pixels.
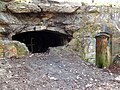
[{"x": 59, "y": 69}]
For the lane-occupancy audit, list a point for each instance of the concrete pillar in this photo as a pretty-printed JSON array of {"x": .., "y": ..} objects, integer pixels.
[{"x": 103, "y": 50}]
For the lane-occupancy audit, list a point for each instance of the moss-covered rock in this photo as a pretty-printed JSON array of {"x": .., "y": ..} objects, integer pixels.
[
  {"x": 13, "y": 49},
  {"x": 22, "y": 50}
]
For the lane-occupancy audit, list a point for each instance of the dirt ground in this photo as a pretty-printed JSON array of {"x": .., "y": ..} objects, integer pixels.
[{"x": 57, "y": 70}]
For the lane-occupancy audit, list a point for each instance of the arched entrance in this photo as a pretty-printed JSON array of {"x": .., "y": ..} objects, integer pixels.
[{"x": 40, "y": 41}]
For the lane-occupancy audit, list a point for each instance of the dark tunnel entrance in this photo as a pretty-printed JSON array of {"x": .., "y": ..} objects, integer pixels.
[{"x": 40, "y": 41}]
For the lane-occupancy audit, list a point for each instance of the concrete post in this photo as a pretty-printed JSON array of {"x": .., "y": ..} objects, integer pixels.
[{"x": 103, "y": 50}]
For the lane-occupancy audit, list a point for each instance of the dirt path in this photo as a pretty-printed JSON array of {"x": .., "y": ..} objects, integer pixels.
[{"x": 58, "y": 70}]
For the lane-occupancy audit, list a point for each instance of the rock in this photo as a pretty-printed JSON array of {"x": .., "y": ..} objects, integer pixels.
[
  {"x": 7, "y": 18},
  {"x": 57, "y": 29},
  {"x": 54, "y": 1},
  {"x": 88, "y": 85},
  {"x": 6, "y": 0},
  {"x": 10, "y": 23},
  {"x": 2, "y": 6},
  {"x": 58, "y": 8},
  {"x": 13, "y": 49},
  {"x": 2, "y": 71},
  {"x": 74, "y": 43},
  {"x": 23, "y": 8},
  {"x": 76, "y": 34},
  {"x": 117, "y": 60},
  {"x": 23, "y": 1},
  {"x": 118, "y": 78},
  {"x": 52, "y": 78},
  {"x": 21, "y": 48},
  {"x": 113, "y": 68},
  {"x": 93, "y": 10}
]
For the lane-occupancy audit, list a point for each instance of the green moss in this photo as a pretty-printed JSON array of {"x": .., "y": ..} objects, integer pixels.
[
  {"x": 102, "y": 61},
  {"x": 21, "y": 50}
]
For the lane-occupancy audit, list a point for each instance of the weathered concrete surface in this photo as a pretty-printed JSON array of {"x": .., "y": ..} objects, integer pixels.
[{"x": 58, "y": 70}]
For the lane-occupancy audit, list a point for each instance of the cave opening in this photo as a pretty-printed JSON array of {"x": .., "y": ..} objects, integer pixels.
[{"x": 40, "y": 41}]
